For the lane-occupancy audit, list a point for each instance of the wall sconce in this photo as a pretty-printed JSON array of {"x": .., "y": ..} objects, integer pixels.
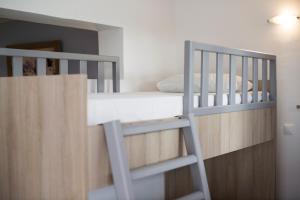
[{"x": 285, "y": 20}]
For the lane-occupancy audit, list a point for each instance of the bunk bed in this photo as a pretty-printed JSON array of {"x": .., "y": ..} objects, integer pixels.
[{"x": 52, "y": 134}]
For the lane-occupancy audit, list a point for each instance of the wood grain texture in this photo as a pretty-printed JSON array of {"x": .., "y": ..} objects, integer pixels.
[
  {"x": 245, "y": 174},
  {"x": 43, "y": 138},
  {"x": 227, "y": 132},
  {"x": 219, "y": 134},
  {"x": 142, "y": 150}
]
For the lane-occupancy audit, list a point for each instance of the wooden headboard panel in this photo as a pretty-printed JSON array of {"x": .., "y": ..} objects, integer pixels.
[
  {"x": 260, "y": 85},
  {"x": 43, "y": 129}
]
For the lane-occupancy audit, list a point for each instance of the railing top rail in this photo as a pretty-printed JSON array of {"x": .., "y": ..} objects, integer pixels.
[
  {"x": 230, "y": 51},
  {"x": 57, "y": 55}
]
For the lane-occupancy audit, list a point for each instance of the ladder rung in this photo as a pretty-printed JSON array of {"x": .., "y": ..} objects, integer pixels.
[
  {"x": 193, "y": 196},
  {"x": 162, "y": 167},
  {"x": 154, "y": 126}
]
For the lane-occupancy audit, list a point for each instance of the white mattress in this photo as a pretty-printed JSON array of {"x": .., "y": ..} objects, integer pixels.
[{"x": 131, "y": 107}]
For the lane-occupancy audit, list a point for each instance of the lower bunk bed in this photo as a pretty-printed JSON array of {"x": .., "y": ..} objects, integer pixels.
[
  {"x": 236, "y": 146},
  {"x": 52, "y": 142}
]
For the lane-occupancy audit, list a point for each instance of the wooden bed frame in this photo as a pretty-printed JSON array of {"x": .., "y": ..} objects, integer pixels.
[{"x": 47, "y": 151}]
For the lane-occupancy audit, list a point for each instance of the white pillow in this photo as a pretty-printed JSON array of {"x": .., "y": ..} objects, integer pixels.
[{"x": 175, "y": 83}]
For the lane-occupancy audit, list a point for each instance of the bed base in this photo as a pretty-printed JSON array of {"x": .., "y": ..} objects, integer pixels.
[{"x": 219, "y": 135}]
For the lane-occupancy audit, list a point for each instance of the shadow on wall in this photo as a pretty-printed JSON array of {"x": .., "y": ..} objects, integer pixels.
[{"x": 73, "y": 40}]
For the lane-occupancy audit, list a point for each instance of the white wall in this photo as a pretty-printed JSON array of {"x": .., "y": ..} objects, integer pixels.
[
  {"x": 111, "y": 43},
  {"x": 73, "y": 40},
  {"x": 242, "y": 24},
  {"x": 147, "y": 25},
  {"x": 289, "y": 97}
]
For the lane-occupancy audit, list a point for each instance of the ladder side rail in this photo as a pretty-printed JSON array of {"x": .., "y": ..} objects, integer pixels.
[
  {"x": 118, "y": 160},
  {"x": 193, "y": 146}
]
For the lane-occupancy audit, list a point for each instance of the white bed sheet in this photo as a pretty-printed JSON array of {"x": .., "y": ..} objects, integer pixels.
[{"x": 131, "y": 107}]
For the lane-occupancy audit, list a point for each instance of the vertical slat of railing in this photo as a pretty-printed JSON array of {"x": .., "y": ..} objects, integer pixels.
[
  {"x": 255, "y": 80},
  {"x": 83, "y": 67},
  {"x": 63, "y": 66},
  {"x": 219, "y": 74},
  {"x": 41, "y": 66},
  {"x": 188, "y": 98},
  {"x": 116, "y": 76},
  {"x": 264, "y": 79},
  {"x": 118, "y": 160},
  {"x": 245, "y": 80},
  {"x": 204, "y": 79},
  {"x": 17, "y": 66},
  {"x": 100, "y": 77},
  {"x": 232, "y": 79},
  {"x": 272, "y": 80}
]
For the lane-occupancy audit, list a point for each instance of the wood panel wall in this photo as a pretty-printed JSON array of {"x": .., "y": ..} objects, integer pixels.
[
  {"x": 219, "y": 134},
  {"x": 245, "y": 174},
  {"x": 43, "y": 138},
  {"x": 228, "y": 132}
]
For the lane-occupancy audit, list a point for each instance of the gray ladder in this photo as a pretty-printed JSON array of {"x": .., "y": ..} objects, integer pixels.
[{"x": 123, "y": 176}]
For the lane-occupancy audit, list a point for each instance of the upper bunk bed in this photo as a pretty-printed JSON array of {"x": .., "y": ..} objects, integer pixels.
[
  {"x": 58, "y": 109},
  {"x": 203, "y": 102}
]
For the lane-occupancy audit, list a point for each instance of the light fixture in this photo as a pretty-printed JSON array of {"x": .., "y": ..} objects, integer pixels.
[{"x": 285, "y": 19}]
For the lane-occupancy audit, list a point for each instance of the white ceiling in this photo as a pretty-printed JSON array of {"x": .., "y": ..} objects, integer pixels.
[{"x": 9, "y": 15}]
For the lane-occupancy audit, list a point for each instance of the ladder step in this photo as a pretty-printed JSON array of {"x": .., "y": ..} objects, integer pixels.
[
  {"x": 193, "y": 196},
  {"x": 154, "y": 126},
  {"x": 162, "y": 167}
]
